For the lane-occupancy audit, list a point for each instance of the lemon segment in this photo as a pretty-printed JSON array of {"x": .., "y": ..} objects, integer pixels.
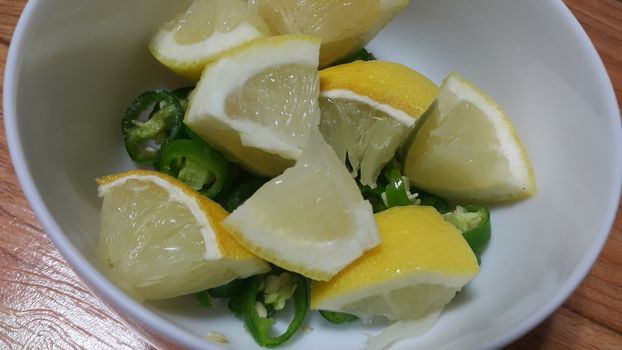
[
  {"x": 418, "y": 268},
  {"x": 258, "y": 103},
  {"x": 389, "y": 83},
  {"x": 205, "y": 30},
  {"x": 368, "y": 109},
  {"x": 160, "y": 239},
  {"x": 311, "y": 219},
  {"x": 344, "y": 26},
  {"x": 467, "y": 149}
]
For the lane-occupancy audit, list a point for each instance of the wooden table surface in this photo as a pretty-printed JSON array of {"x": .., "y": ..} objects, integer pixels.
[{"x": 44, "y": 305}]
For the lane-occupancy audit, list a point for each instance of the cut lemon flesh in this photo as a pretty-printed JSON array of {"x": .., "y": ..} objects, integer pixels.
[
  {"x": 467, "y": 149},
  {"x": 344, "y": 26},
  {"x": 367, "y": 137},
  {"x": 160, "y": 239},
  {"x": 258, "y": 103},
  {"x": 207, "y": 28},
  {"x": 368, "y": 109},
  {"x": 418, "y": 268},
  {"x": 311, "y": 219}
]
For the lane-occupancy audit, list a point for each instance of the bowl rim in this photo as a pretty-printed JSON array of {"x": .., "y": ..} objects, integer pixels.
[{"x": 157, "y": 324}]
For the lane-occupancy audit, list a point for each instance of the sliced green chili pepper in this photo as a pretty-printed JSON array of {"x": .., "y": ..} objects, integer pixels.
[
  {"x": 338, "y": 317},
  {"x": 396, "y": 191},
  {"x": 278, "y": 288},
  {"x": 162, "y": 126},
  {"x": 228, "y": 290},
  {"x": 181, "y": 94},
  {"x": 204, "y": 299},
  {"x": 232, "y": 170},
  {"x": 474, "y": 222},
  {"x": 196, "y": 164},
  {"x": 259, "y": 327}
]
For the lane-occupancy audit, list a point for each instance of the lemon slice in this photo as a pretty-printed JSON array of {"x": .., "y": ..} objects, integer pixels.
[
  {"x": 160, "y": 239},
  {"x": 467, "y": 149},
  {"x": 258, "y": 103},
  {"x": 368, "y": 109},
  {"x": 418, "y": 268},
  {"x": 207, "y": 28},
  {"x": 344, "y": 25},
  {"x": 311, "y": 219}
]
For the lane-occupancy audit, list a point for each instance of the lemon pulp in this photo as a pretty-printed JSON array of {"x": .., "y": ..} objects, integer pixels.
[
  {"x": 467, "y": 149},
  {"x": 160, "y": 239}
]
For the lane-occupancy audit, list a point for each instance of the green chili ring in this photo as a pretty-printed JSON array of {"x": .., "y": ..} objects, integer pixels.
[
  {"x": 396, "y": 190},
  {"x": 478, "y": 236},
  {"x": 196, "y": 164},
  {"x": 162, "y": 126},
  {"x": 259, "y": 327},
  {"x": 335, "y": 317}
]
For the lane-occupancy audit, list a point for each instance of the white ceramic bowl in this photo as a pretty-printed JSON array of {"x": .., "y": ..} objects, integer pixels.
[{"x": 74, "y": 66}]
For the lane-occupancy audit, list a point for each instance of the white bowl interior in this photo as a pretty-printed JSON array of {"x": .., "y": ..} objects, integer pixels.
[{"x": 76, "y": 65}]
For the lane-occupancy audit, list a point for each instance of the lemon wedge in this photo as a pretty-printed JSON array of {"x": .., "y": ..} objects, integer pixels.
[
  {"x": 258, "y": 103},
  {"x": 205, "y": 30},
  {"x": 311, "y": 219},
  {"x": 160, "y": 239},
  {"x": 343, "y": 25},
  {"x": 467, "y": 149},
  {"x": 418, "y": 268},
  {"x": 368, "y": 109}
]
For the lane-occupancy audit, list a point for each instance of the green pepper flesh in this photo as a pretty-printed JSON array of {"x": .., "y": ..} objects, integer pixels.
[
  {"x": 196, "y": 164},
  {"x": 474, "y": 222},
  {"x": 163, "y": 125},
  {"x": 338, "y": 317},
  {"x": 259, "y": 327}
]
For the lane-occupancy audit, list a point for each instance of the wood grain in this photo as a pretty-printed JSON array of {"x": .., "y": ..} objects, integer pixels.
[{"x": 44, "y": 305}]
